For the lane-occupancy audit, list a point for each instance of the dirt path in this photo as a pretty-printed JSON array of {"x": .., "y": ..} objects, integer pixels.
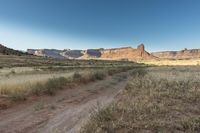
[{"x": 65, "y": 112}]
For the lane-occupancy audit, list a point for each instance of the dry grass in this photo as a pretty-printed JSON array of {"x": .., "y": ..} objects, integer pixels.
[
  {"x": 30, "y": 61},
  {"x": 20, "y": 90},
  {"x": 170, "y": 62},
  {"x": 155, "y": 100}
]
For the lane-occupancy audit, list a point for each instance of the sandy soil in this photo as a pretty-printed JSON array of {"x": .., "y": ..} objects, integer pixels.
[{"x": 64, "y": 112}]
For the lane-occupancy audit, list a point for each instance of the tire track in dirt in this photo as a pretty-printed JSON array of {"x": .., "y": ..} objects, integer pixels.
[{"x": 64, "y": 112}]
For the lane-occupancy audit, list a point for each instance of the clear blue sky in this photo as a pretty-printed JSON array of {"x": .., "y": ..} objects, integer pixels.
[{"x": 82, "y": 24}]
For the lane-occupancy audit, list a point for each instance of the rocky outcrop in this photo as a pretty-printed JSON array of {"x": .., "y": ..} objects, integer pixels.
[
  {"x": 127, "y": 53},
  {"x": 46, "y": 53},
  {"x": 72, "y": 54},
  {"x": 183, "y": 54}
]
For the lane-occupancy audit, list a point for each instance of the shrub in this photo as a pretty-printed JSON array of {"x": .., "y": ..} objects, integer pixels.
[
  {"x": 77, "y": 76},
  {"x": 61, "y": 81},
  {"x": 98, "y": 120},
  {"x": 100, "y": 75},
  {"x": 112, "y": 71},
  {"x": 53, "y": 84},
  {"x": 140, "y": 72},
  {"x": 37, "y": 89},
  {"x": 12, "y": 71},
  {"x": 49, "y": 87},
  {"x": 193, "y": 124},
  {"x": 39, "y": 106},
  {"x": 17, "y": 96}
]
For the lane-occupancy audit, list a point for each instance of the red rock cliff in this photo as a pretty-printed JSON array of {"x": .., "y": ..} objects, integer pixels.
[
  {"x": 126, "y": 53},
  {"x": 183, "y": 54}
]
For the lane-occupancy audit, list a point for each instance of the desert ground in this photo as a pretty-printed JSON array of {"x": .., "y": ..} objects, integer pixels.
[
  {"x": 99, "y": 66},
  {"x": 44, "y": 95},
  {"x": 155, "y": 99},
  {"x": 48, "y": 95},
  {"x": 172, "y": 62}
]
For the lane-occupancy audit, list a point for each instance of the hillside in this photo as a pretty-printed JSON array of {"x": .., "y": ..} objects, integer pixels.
[
  {"x": 183, "y": 54},
  {"x": 125, "y": 53},
  {"x": 8, "y": 51}
]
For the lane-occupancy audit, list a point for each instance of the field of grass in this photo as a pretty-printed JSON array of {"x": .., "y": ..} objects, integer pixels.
[
  {"x": 157, "y": 99},
  {"x": 170, "y": 62},
  {"x": 8, "y": 61},
  {"x": 19, "y": 89},
  {"x": 19, "y": 79}
]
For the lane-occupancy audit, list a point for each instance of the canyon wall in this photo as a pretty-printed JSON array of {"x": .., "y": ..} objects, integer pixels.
[
  {"x": 127, "y": 53},
  {"x": 183, "y": 54}
]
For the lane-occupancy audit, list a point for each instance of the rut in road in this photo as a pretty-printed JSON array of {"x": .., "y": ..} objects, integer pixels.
[{"x": 64, "y": 112}]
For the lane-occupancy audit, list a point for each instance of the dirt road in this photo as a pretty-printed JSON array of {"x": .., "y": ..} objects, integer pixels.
[{"x": 64, "y": 112}]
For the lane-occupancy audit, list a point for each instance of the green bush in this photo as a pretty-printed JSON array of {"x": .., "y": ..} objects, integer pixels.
[
  {"x": 17, "y": 96},
  {"x": 12, "y": 71},
  {"x": 77, "y": 76},
  {"x": 37, "y": 89},
  {"x": 112, "y": 71},
  {"x": 53, "y": 84},
  {"x": 140, "y": 72},
  {"x": 100, "y": 75}
]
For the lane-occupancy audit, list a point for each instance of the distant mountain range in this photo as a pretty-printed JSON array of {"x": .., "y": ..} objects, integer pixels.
[
  {"x": 124, "y": 53},
  {"x": 183, "y": 54}
]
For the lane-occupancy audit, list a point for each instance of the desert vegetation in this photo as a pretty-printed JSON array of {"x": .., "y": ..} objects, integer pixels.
[
  {"x": 8, "y": 51},
  {"x": 8, "y": 61},
  {"x": 156, "y": 99},
  {"x": 19, "y": 82},
  {"x": 172, "y": 62}
]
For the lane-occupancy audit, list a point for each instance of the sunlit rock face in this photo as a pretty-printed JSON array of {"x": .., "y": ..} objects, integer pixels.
[
  {"x": 128, "y": 53},
  {"x": 183, "y": 54}
]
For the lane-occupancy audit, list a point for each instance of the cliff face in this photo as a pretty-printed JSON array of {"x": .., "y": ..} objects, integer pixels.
[
  {"x": 115, "y": 54},
  {"x": 183, "y": 54},
  {"x": 46, "y": 53},
  {"x": 126, "y": 53}
]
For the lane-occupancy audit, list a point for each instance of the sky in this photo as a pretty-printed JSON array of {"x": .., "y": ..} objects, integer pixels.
[{"x": 82, "y": 24}]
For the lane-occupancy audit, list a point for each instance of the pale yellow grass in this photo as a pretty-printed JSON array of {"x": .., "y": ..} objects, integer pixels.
[
  {"x": 172, "y": 62},
  {"x": 20, "y": 79},
  {"x": 17, "y": 82},
  {"x": 158, "y": 99},
  {"x": 4, "y": 71}
]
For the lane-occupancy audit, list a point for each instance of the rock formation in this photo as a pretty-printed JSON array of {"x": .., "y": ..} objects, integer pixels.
[
  {"x": 127, "y": 53},
  {"x": 124, "y": 53},
  {"x": 183, "y": 54}
]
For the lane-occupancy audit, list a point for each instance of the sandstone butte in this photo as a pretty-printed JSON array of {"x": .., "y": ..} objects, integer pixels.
[
  {"x": 183, "y": 54},
  {"x": 125, "y": 53}
]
